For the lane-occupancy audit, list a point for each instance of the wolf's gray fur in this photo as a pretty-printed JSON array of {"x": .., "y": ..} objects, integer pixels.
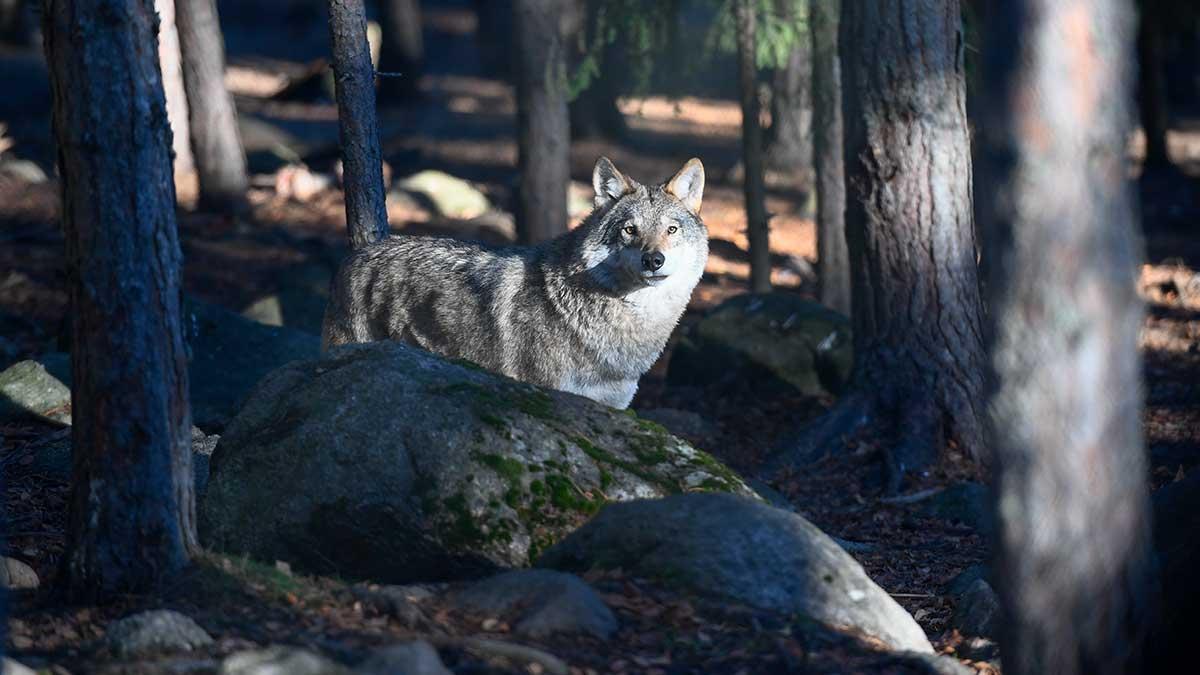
[{"x": 587, "y": 312}]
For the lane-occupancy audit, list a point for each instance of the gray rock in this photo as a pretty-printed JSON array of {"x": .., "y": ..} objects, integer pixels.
[
  {"x": 683, "y": 423},
  {"x": 17, "y": 576},
  {"x": 399, "y": 602},
  {"x": 10, "y": 667},
  {"x": 739, "y": 549},
  {"x": 450, "y": 196},
  {"x": 53, "y": 459},
  {"x": 977, "y": 613},
  {"x": 230, "y": 354},
  {"x": 388, "y": 463},
  {"x": 930, "y": 664},
  {"x": 280, "y": 660},
  {"x": 539, "y": 603},
  {"x": 23, "y": 169},
  {"x": 408, "y": 658},
  {"x": 778, "y": 340},
  {"x": 27, "y": 390},
  {"x": 966, "y": 503},
  {"x": 299, "y": 301},
  {"x": 160, "y": 630},
  {"x": 963, "y": 580},
  {"x": 979, "y": 649}
]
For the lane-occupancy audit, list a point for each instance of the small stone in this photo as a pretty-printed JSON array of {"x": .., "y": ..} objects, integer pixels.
[
  {"x": 399, "y": 602},
  {"x": 963, "y": 580},
  {"x": 408, "y": 658},
  {"x": 539, "y": 603},
  {"x": 17, "y": 576},
  {"x": 966, "y": 503},
  {"x": 979, "y": 649},
  {"x": 24, "y": 170},
  {"x": 280, "y": 660},
  {"x": 977, "y": 613},
  {"x": 160, "y": 630},
  {"x": 28, "y": 390}
]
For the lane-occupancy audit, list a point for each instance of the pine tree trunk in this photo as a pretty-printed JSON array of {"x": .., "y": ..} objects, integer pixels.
[
  {"x": 833, "y": 264},
  {"x": 1071, "y": 477},
  {"x": 216, "y": 139},
  {"x": 752, "y": 151},
  {"x": 14, "y": 28},
  {"x": 1152, "y": 85},
  {"x": 543, "y": 123},
  {"x": 917, "y": 314},
  {"x": 358, "y": 130},
  {"x": 403, "y": 49},
  {"x": 171, "y": 64},
  {"x": 132, "y": 518},
  {"x": 790, "y": 141}
]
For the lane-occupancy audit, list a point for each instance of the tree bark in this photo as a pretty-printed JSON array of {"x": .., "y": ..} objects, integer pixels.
[
  {"x": 403, "y": 49},
  {"x": 757, "y": 231},
  {"x": 132, "y": 514},
  {"x": 833, "y": 263},
  {"x": 1065, "y": 405},
  {"x": 543, "y": 123},
  {"x": 917, "y": 314},
  {"x": 358, "y": 130},
  {"x": 171, "y": 64},
  {"x": 14, "y": 28},
  {"x": 1152, "y": 85},
  {"x": 790, "y": 138},
  {"x": 216, "y": 140}
]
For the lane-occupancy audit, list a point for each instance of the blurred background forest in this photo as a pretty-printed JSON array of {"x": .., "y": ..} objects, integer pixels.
[{"x": 262, "y": 226}]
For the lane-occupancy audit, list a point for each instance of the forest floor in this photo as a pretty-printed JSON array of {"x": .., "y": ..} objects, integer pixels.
[{"x": 464, "y": 125}]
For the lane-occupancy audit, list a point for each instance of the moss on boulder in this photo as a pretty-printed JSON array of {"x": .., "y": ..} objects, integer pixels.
[{"x": 389, "y": 463}]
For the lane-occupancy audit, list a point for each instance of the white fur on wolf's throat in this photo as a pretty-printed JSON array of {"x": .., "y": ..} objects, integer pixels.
[{"x": 580, "y": 313}]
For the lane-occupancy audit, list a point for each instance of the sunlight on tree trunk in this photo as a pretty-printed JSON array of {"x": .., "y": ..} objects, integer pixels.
[
  {"x": 757, "y": 231},
  {"x": 1071, "y": 479},
  {"x": 170, "y": 63},
  {"x": 543, "y": 123},
  {"x": 358, "y": 130},
  {"x": 216, "y": 139},
  {"x": 132, "y": 515},
  {"x": 833, "y": 264}
]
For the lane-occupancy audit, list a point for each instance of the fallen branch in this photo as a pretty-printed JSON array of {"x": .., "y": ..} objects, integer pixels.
[
  {"x": 913, "y": 498},
  {"x": 552, "y": 664}
]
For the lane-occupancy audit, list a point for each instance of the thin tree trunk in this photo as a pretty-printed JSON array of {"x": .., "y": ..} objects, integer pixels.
[
  {"x": 403, "y": 48},
  {"x": 132, "y": 514},
  {"x": 790, "y": 141},
  {"x": 358, "y": 130},
  {"x": 171, "y": 65},
  {"x": 14, "y": 28},
  {"x": 1152, "y": 85},
  {"x": 752, "y": 151},
  {"x": 833, "y": 263},
  {"x": 216, "y": 140},
  {"x": 1074, "y": 564},
  {"x": 543, "y": 123}
]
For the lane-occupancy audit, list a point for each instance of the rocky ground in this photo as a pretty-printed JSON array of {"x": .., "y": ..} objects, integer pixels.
[{"x": 257, "y": 285}]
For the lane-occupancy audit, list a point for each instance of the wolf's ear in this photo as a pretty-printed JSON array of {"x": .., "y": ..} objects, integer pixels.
[
  {"x": 688, "y": 185},
  {"x": 610, "y": 184}
]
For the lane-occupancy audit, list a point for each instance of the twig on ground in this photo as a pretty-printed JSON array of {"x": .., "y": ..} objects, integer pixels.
[{"x": 912, "y": 498}]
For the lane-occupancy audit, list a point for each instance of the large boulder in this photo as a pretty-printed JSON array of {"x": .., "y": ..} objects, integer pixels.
[
  {"x": 446, "y": 195},
  {"x": 230, "y": 354},
  {"x": 775, "y": 339},
  {"x": 386, "y": 462},
  {"x": 742, "y": 550}
]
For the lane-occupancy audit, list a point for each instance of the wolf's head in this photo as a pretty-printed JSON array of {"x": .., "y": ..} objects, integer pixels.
[{"x": 644, "y": 236}]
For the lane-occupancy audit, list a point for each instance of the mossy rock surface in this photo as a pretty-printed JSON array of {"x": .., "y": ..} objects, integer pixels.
[
  {"x": 386, "y": 462},
  {"x": 778, "y": 340}
]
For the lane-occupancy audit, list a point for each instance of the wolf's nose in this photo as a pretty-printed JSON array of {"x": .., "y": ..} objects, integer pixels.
[{"x": 653, "y": 261}]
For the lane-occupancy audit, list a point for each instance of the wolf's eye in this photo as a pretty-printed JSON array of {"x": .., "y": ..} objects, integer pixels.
[
  {"x": 672, "y": 229},
  {"x": 630, "y": 230}
]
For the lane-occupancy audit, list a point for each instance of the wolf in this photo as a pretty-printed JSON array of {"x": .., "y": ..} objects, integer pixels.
[{"x": 588, "y": 312}]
